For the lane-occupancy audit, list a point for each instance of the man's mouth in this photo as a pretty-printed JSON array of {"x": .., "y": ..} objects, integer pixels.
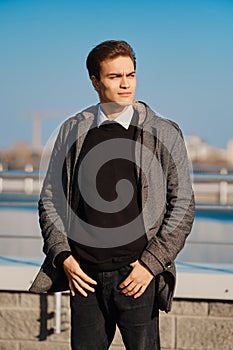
[{"x": 124, "y": 94}]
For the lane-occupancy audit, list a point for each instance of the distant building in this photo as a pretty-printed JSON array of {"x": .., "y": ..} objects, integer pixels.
[
  {"x": 204, "y": 158},
  {"x": 208, "y": 158},
  {"x": 21, "y": 156},
  {"x": 230, "y": 151}
]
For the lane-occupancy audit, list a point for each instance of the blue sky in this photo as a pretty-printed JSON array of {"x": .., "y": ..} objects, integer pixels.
[{"x": 184, "y": 61}]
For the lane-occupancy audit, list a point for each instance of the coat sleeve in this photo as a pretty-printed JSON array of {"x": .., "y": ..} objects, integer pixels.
[
  {"x": 53, "y": 203},
  {"x": 169, "y": 239}
]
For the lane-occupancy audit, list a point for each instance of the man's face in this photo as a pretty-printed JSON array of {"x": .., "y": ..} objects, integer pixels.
[{"x": 117, "y": 81}]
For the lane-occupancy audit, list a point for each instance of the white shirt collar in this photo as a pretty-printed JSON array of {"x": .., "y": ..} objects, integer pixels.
[{"x": 123, "y": 118}]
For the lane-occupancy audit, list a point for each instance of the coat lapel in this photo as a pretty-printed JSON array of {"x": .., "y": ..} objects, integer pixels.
[
  {"x": 81, "y": 133},
  {"x": 144, "y": 153},
  {"x": 75, "y": 145}
]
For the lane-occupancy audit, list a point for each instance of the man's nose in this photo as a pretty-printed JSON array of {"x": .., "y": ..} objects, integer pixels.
[{"x": 124, "y": 82}]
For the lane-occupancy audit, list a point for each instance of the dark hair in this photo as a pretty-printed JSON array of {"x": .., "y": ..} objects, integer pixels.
[{"x": 107, "y": 50}]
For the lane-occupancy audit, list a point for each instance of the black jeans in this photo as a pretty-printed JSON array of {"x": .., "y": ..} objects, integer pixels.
[{"x": 94, "y": 318}]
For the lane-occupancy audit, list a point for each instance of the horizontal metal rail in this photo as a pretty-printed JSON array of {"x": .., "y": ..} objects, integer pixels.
[
  {"x": 19, "y": 181},
  {"x": 209, "y": 178},
  {"x": 218, "y": 185},
  {"x": 217, "y": 207},
  {"x": 194, "y": 176}
]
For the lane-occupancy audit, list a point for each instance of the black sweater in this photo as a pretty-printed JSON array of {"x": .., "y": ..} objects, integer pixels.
[{"x": 107, "y": 259}]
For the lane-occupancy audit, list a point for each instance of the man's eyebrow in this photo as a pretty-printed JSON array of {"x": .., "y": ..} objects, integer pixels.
[{"x": 120, "y": 74}]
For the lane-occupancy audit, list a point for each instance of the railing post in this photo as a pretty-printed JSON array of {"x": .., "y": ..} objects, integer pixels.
[
  {"x": 223, "y": 189},
  {"x": 1, "y": 179},
  {"x": 28, "y": 182},
  {"x": 57, "y": 306}
]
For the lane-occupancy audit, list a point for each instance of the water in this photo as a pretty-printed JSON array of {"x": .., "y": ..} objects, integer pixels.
[{"x": 209, "y": 246}]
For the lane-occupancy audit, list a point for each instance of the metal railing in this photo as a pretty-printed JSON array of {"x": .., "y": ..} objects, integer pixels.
[
  {"x": 17, "y": 181},
  {"x": 219, "y": 186}
]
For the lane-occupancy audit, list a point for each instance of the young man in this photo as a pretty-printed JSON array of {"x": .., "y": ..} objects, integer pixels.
[{"x": 115, "y": 210}]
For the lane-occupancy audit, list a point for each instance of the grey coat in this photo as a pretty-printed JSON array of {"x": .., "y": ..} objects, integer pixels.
[{"x": 167, "y": 197}]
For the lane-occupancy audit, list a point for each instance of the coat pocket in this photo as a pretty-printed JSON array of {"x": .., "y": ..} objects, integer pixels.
[{"x": 166, "y": 286}]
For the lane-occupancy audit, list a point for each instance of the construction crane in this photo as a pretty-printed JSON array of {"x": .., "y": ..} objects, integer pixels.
[{"x": 36, "y": 118}]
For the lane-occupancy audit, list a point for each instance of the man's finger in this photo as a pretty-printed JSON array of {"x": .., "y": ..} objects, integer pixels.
[
  {"x": 84, "y": 277},
  {"x": 128, "y": 288},
  {"x": 140, "y": 292},
  {"x": 71, "y": 286},
  {"x": 133, "y": 291},
  {"x": 80, "y": 289},
  {"x": 125, "y": 283},
  {"x": 83, "y": 284}
]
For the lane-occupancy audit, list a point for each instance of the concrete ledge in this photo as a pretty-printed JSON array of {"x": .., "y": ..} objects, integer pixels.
[{"x": 27, "y": 323}]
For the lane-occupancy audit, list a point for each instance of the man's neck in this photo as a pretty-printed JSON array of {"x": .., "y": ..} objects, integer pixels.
[{"x": 112, "y": 110}]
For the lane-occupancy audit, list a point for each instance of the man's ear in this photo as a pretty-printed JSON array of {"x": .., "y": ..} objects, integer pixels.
[{"x": 95, "y": 83}]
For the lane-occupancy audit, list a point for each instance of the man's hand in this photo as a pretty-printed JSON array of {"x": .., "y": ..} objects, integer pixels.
[
  {"x": 137, "y": 281},
  {"x": 78, "y": 280}
]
